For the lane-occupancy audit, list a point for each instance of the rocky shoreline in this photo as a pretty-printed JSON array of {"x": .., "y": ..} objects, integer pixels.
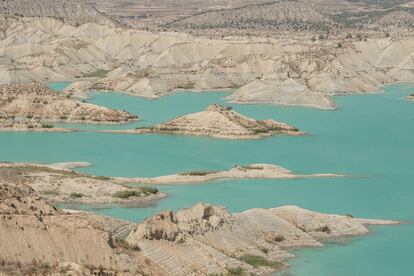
[
  {"x": 202, "y": 240},
  {"x": 58, "y": 183},
  {"x": 207, "y": 239},
  {"x": 33, "y": 107}
]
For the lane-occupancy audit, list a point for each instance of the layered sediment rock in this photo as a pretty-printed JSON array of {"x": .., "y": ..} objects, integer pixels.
[
  {"x": 32, "y": 103},
  {"x": 287, "y": 70},
  {"x": 222, "y": 122},
  {"x": 207, "y": 239},
  {"x": 201, "y": 240},
  {"x": 38, "y": 239}
]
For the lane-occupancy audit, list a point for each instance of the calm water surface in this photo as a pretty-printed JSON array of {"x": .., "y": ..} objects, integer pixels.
[{"x": 370, "y": 138}]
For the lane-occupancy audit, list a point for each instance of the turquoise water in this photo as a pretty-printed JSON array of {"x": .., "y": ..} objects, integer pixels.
[
  {"x": 58, "y": 86},
  {"x": 370, "y": 138}
]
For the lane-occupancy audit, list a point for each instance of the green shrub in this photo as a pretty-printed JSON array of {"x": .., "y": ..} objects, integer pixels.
[
  {"x": 235, "y": 271},
  {"x": 198, "y": 173},
  {"x": 76, "y": 195},
  {"x": 127, "y": 194},
  {"x": 258, "y": 261},
  {"x": 47, "y": 126},
  {"x": 149, "y": 190},
  {"x": 279, "y": 238},
  {"x": 325, "y": 229},
  {"x": 51, "y": 192},
  {"x": 126, "y": 245}
]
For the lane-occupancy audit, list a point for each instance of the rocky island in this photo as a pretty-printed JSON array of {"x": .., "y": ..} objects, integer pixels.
[
  {"x": 259, "y": 171},
  {"x": 220, "y": 122},
  {"x": 34, "y": 106},
  {"x": 57, "y": 183},
  {"x": 410, "y": 97}
]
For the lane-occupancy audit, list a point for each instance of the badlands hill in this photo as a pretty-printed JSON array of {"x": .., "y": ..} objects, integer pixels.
[
  {"x": 221, "y": 122},
  {"x": 74, "y": 12},
  {"x": 38, "y": 239},
  {"x": 207, "y": 239},
  {"x": 295, "y": 70},
  {"x": 277, "y": 16},
  {"x": 29, "y": 104},
  {"x": 218, "y": 17}
]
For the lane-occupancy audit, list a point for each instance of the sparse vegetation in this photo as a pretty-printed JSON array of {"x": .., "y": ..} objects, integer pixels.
[
  {"x": 235, "y": 271},
  {"x": 126, "y": 245},
  {"x": 76, "y": 195},
  {"x": 279, "y": 238},
  {"x": 258, "y": 261},
  {"x": 100, "y": 73},
  {"x": 198, "y": 173},
  {"x": 125, "y": 194},
  {"x": 324, "y": 229},
  {"x": 149, "y": 190},
  {"x": 47, "y": 126},
  {"x": 51, "y": 192}
]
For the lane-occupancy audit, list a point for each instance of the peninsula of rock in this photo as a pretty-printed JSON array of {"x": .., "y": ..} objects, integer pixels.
[{"x": 34, "y": 106}]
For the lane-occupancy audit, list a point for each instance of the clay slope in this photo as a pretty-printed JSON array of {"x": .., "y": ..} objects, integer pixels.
[
  {"x": 40, "y": 104},
  {"x": 285, "y": 70},
  {"x": 207, "y": 239},
  {"x": 38, "y": 239},
  {"x": 222, "y": 122}
]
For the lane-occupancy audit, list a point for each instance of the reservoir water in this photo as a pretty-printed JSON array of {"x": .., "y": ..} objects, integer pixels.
[{"x": 370, "y": 138}]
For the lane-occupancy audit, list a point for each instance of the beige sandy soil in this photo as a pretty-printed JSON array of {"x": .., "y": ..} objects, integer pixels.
[
  {"x": 33, "y": 106},
  {"x": 207, "y": 239},
  {"x": 289, "y": 70},
  {"x": 264, "y": 171},
  {"x": 219, "y": 122},
  {"x": 37, "y": 238},
  {"x": 58, "y": 183}
]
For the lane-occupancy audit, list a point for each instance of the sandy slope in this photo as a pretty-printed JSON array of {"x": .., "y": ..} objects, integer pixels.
[
  {"x": 207, "y": 239},
  {"x": 265, "y": 171},
  {"x": 220, "y": 122},
  {"x": 290, "y": 70}
]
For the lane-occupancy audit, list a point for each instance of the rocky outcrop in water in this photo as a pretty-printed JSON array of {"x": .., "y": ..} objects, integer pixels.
[
  {"x": 30, "y": 104},
  {"x": 258, "y": 171},
  {"x": 222, "y": 122}
]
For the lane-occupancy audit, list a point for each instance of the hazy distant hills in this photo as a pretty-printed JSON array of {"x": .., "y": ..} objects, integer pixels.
[{"x": 228, "y": 17}]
